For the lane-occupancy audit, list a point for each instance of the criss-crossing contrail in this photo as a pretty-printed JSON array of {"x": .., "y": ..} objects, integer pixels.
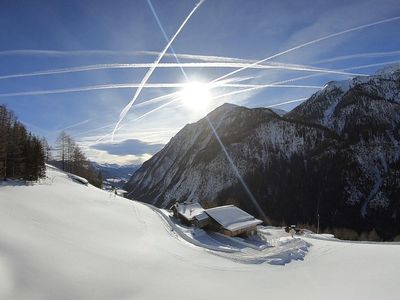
[
  {"x": 233, "y": 166},
  {"x": 153, "y": 67},
  {"x": 275, "y": 84},
  {"x": 175, "y": 94},
  {"x": 329, "y": 36},
  {"x": 282, "y": 82}
]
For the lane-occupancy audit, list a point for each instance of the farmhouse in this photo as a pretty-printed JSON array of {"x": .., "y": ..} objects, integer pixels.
[
  {"x": 191, "y": 214},
  {"x": 229, "y": 220},
  {"x": 232, "y": 221}
]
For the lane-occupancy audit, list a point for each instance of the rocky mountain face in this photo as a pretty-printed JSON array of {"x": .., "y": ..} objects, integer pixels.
[{"x": 337, "y": 156}]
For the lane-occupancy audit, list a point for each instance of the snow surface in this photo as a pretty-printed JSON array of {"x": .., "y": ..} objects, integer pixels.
[{"x": 63, "y": 240}]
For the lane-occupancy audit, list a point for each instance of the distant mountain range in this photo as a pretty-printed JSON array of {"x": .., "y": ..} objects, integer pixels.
[
  {"x": 115, "y": 175},
  {"x": 336, "y": 156}
]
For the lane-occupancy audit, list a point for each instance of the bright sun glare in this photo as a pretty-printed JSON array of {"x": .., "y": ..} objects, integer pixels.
[{"x": 196, "y": 96}]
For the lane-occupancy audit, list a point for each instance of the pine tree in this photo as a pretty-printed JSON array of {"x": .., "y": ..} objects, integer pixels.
[{"x": 21, "y": 154}]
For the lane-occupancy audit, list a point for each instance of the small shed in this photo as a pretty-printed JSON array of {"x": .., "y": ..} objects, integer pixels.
[
  {"x": 78, "y": 179},
  {"x": 191, "y": 214},
  {"x": 232, "y": 221},
  {"x": 120, "y": 192}
]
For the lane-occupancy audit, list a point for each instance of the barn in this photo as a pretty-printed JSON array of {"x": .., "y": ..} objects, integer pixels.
[
  {"x": 191, "y": 214},
  {"x": 229, "y": 219},
  {"x": 232, "y": 221}
]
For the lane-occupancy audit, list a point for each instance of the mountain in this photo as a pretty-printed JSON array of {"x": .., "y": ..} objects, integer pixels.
[
  {"x": 115, "y": 175},
  {"x": 336, "y": 156}
]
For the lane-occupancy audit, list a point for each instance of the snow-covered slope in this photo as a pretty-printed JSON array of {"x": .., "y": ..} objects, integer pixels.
[{"x": 64, "y": 240}]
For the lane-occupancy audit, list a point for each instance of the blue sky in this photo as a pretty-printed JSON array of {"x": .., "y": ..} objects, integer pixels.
[{"x": 51, "y": 35}]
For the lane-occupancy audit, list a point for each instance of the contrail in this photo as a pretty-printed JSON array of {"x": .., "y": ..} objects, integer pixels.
[
  {"x": 359, "y": 55},
  {"x": 154, "y": 66},
  {"x": 157, "y": 99},
  {"x": 75, "y": 125},
  {"x": 373, "y": 65},
  {"x": 287, "y": 102},
  {"x": 92, "y": 88},
  {"x": 206, "y": 58},
  {"x": 36, "y": 52},
  {"x": 310, "y": 43},
  {"x": 156, "y": 109},
  {"x": 94, "y": 129},
  {"x": 149, "y": 85},
  {"x": 278, "y": 66}
]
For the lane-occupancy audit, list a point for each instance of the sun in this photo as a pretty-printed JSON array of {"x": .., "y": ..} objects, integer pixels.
[{"x": 196, "y": 96}]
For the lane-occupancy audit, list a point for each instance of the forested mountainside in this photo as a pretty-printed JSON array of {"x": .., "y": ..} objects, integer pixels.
[{"x": 336, "y": 156}]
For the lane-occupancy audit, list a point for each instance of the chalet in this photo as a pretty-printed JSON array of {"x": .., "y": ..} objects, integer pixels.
[
  {"x": 191, "y": 214},
  {"x": 232, "y": 221},
  {"x": 229, "y": 220}
]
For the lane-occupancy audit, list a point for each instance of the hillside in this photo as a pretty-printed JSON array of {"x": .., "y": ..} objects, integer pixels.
[
  {"x": 336, "y": 155},
  {"x": 88, "y": 244}
]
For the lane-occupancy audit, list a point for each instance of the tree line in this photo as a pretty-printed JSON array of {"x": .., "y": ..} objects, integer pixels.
[
  {"x": 69, "y": 157},
  {"x": 22, "y": 155}
]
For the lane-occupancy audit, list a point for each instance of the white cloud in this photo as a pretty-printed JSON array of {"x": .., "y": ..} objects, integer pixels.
[{"x": 104, "y": 157}]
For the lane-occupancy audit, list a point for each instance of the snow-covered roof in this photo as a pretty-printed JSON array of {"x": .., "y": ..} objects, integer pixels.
[
  {"x": 78, "y": 178},
  {"x": 189, "y": 211},
  {"x": 201, "y": 216},
  {"x": 232, "y": 218},
  {"x": 121, "y": 191}
]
